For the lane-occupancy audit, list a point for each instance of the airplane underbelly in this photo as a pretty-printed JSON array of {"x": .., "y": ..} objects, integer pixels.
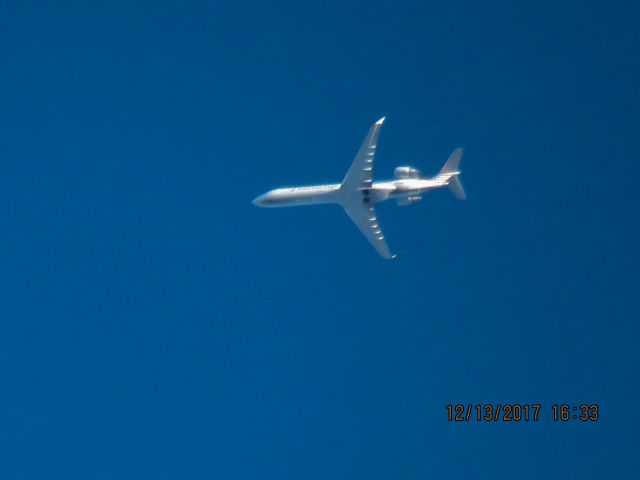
[{"x": 298, "y": 198}]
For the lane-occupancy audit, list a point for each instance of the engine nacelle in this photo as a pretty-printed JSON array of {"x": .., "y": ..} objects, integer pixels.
[
  {"x": 406, "y": 172},
  {"x": 408, "y": 200}
]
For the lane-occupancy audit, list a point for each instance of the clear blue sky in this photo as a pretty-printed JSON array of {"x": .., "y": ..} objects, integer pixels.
[{"x": 155, "y": 324}]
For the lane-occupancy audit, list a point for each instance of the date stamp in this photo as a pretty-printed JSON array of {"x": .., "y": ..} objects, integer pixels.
[{"x": 521, "y": 412}]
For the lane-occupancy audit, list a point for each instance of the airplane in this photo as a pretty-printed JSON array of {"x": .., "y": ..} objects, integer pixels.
[{"x": 358, "y": 193}]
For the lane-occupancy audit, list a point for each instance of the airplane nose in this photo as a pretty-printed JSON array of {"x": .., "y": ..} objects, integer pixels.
[{"x": 258, "y": 201}]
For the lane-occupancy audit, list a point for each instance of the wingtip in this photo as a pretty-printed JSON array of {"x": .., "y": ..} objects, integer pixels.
[
  {"x": 381, "y": 121},
  {"x": 393, "y": 256}
]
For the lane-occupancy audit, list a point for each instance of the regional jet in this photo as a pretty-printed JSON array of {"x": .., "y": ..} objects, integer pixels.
[{"x": 358, "y": 193}]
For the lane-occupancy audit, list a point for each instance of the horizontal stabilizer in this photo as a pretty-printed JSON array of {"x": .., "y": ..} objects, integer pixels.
[
  {"x": 453, "y": 163},
  {"x": 452, "y": 171},
  {"x": 455, "y": 185}
]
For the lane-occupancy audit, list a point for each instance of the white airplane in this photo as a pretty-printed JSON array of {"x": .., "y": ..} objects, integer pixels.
[{"x": 358, "y": 193}]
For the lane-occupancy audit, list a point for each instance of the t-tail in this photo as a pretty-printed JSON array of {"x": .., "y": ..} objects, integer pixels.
[{"x": 452, "y": 167}]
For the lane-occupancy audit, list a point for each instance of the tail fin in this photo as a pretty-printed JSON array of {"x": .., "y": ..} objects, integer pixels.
[{"x": 453, "y": 166}]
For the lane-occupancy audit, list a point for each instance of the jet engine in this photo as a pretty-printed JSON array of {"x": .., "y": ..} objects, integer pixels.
[
  {"x": 406, "y": 172},
  {"x": 408, "y": 200}
]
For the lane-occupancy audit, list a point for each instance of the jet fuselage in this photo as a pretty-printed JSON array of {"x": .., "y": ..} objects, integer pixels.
[{"x": 331, "y": 193}]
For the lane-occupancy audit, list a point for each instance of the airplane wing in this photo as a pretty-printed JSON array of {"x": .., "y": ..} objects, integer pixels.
[
  {"x": 364, "y": 216},
  {"x": 360, "y": 175},
  {"x": 355, "y": 191}
]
